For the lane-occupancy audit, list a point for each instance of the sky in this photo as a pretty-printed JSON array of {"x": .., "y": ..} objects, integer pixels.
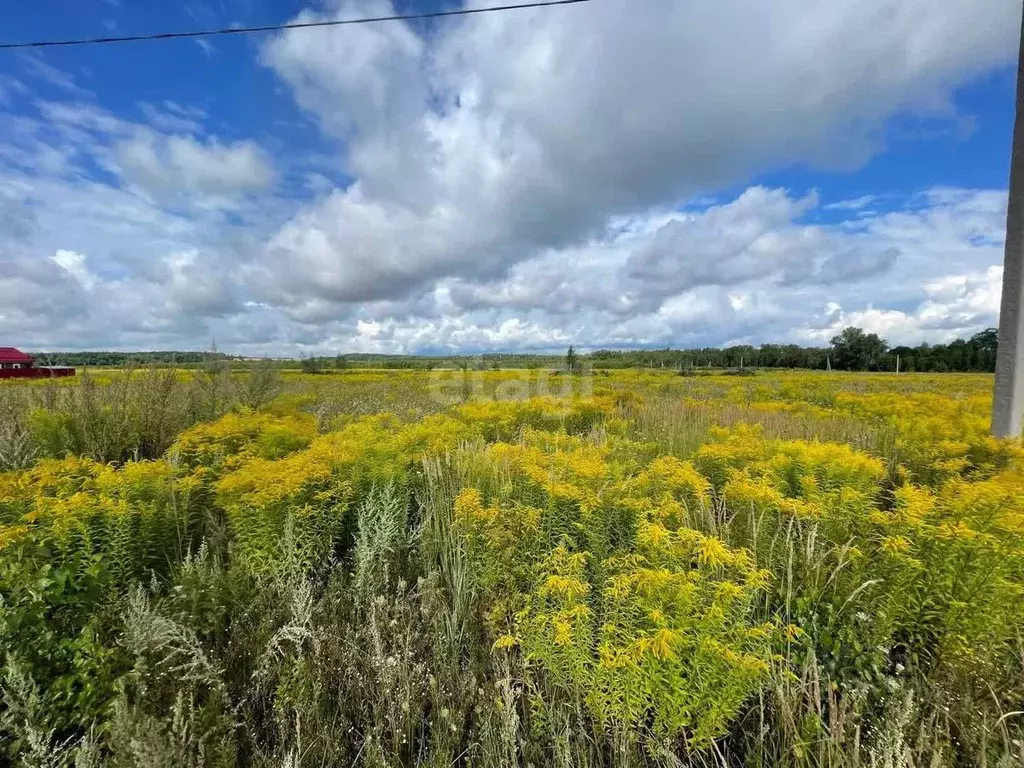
[{"x": 612, "y": 174}]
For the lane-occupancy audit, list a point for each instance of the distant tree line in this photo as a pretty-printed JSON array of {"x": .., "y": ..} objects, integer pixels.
[
  {"x": 977, "y": 353},
  {"x": 489, "y": 361},
  {"x": 96, "y": 359},
  {"x": 851, "y": 350},
  {"x": 743, "y": 355}
]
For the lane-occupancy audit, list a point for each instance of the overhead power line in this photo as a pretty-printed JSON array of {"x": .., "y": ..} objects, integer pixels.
[{"x": 277, "y": 27}]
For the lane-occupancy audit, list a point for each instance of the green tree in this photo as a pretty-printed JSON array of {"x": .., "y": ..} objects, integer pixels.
[
  {"x": 259, "y": 385},
  {"x": 854, "y": 350},
  {"x": 572, "y": 361},
  {"x": 211, "y": 384}
]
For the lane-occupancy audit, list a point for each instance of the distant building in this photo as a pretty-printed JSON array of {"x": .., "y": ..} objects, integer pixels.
[{"x": 15, "y": 364}]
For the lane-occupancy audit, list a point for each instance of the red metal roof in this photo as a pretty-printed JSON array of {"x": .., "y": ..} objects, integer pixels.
[{"x": 12, "y": 355}]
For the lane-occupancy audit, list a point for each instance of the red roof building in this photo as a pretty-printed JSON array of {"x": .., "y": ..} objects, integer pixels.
[
  {"x": 14, "y": 358},
  {"x": 16, "y": 364}
]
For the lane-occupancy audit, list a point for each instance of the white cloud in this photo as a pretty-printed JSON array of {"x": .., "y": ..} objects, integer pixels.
[
  {"x": 206, "y": 47},
  {"x": 94, "y": 263},
  {"x": 38, "y": 67},
  {"x": 172, "y": 117},
  {"x": 513, "y": 133},
  {"x": 749, "y": 238},
  {"x": 854, "y": 204},
  {"x": 185, "y": 164},
  {"x": 8, "y": 87},
  {"x": 167, "y": 156},
  {"x": 957, "y": 306},
  {"x": 75, "y": 265}
]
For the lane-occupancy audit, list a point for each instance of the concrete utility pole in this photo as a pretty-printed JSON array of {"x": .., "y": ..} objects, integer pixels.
[{"x": 1008, "y": 400}]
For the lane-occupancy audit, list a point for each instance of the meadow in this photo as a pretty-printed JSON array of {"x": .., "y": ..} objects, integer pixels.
[{"x": 497, "y": 568}]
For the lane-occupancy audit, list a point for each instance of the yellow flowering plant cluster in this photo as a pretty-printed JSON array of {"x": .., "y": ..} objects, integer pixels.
[
  {"x": 935, "y": 427},
  {"x": 829, "y": 482},
  {"x": 264, "y": 470},
  {"x": 880, "y": 571},
  {"x": 677, "y": 643},
  {"x": 310, "y": 489},
  {"x": 227, "y": 443},
  {"x": 136, "y": 518},
  {"x": 956, "y": 558},
  {"x": 143, "y": 514},
  {"x": 937, "y": 437},
  {"x": 588, "y": 566},
  {"x": 503, "y": 419}
]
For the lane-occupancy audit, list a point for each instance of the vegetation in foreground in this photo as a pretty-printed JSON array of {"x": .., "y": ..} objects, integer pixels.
[{"x": 398, "y": 569}]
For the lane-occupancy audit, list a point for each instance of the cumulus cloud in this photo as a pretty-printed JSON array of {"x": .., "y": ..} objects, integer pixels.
[
  {"x": 75, "y": 265},
  {"x": 100, "y": 262},
  {"x": 185, "y": 164},
  {"x": 845, "y": 267},
  {"x": 511, "y": 133},
  {"x": 757, "y": 238},
  {"x": 748, "y": 238},
  {"x": 39, "y": 296},
  {"x": 956, "y": 306}
]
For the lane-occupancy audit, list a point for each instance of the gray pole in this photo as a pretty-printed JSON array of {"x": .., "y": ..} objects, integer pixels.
[{"x": 1008, "y": 400}]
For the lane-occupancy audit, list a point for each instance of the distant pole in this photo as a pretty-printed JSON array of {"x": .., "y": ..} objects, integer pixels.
[
  {"x": 897, "y": 363},
  {"x": 1008, "y": 399}
]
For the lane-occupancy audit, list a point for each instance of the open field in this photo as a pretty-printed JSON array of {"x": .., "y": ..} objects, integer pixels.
[{"x": 498, "y": 568}]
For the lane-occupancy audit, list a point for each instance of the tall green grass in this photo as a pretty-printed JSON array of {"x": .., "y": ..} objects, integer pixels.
[{"x": 130, "y": 414}]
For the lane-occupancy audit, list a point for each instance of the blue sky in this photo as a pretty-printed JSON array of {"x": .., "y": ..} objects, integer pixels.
[{"x": 607, "y": 174}]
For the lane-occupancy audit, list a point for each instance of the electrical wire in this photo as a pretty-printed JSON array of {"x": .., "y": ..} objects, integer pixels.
[{"x": 276, "y": 27}]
